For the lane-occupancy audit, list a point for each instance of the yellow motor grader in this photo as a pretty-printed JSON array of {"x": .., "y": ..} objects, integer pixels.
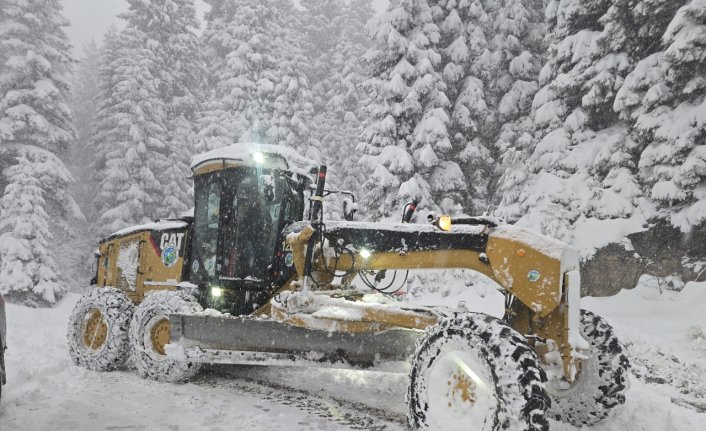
[{"x": 248, "y": 279}]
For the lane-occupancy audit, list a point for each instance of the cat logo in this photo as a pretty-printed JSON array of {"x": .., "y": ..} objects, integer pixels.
[{"x": 170, "y": 246}]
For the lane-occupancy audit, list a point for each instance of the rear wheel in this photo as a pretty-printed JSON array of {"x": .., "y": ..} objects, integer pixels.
[
  {"x": 150, "y": 333},
  {"x": 601, "y": 383},
  {"x": 98, "y": 329},
  {"x": 473, "y": 372}
]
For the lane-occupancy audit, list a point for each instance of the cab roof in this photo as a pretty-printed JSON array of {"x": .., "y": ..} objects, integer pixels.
[
  {"x": 242, "y": 154},
  {"x": 157, "y": 226}
]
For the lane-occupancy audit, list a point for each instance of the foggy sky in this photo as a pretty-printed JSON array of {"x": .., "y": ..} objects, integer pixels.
[{"x": 91, "y": 18}]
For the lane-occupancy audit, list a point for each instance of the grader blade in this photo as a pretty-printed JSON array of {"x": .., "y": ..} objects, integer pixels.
[{"x": 243, "y": 340}]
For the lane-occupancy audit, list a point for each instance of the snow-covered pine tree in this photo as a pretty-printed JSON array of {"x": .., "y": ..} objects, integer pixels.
[
  {"x": 516, "y": 51},
  {"x": 334, "y": 41},
  {"x": 105, "y": 130},
  {"x": 27, "y": 270},
  {"x": 632, "y": 31},
  {"x": 292, "y": 118},
  {"x": 406, "y": 146},
  {"x": 490, "y": 53},
  {"x": 321, "y": 24},
  {"x": 259, "y": 80},
  {"x": 177, "y": 193},
  {"x": 169, "y": 27},
  {"x": 514, "y": 145},
  {"x": 34, "y": 90},
  {"x": 35, "y": 125},
  {"x": 85, "y": 101},
  {"x": 220, "y": 123},
  {"x": 132, "y": 122},
  {"x": 346, "y": 99},
  {"x": 665, "y": 97},
  {"x": 319, "y": 27},
  {"x": 462, "y": 43},
  {"x": 563, "y": 187},
  {"x": 84, "y": 104},
  {"x": 75, "y": 256},
  {"x": 212, "y": 132},
  {"x": 150, "y": 104},
  {"x": 584, "y": 160},
  {"x": 33, "y": 85}
]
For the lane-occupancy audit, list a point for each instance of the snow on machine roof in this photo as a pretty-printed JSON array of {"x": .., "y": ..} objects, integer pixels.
[
  {"x": 159, "y": 225},
  {"x": 255, "y": 155}
]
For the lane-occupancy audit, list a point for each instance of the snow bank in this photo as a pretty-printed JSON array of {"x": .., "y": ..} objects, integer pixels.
[
  {"x": 592, "y": 234},
  {"x": 652, "y": 313}
]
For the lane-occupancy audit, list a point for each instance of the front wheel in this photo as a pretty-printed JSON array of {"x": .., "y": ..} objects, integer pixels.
[
  {"x": 98, "y": 326},
  {"x": 150, "y": 332},
  {"x": 602, "y": 381},
  {"x": 474, "y": 372}
]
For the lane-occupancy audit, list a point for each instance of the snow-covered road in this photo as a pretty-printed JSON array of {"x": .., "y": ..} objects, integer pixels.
[{"x": 46, "y": 391}]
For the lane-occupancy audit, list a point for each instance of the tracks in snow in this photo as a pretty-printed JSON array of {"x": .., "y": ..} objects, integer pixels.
[
  {"x": 353, "y": 415},
  {"x": 652, "y": 366}
]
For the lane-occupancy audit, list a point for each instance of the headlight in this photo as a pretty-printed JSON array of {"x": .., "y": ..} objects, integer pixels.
[
  {"x": 444, "y": 223},
  {"x": 258, "y": 157}
]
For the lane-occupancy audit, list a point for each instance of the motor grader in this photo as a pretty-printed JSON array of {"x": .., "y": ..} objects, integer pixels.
[{"x": 257, "y": 276}]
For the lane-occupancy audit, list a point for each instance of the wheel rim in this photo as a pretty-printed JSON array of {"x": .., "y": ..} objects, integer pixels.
[
  {"x": 95, "y": 330},
  {"x": 159, "y": 334},
  {"x": 557, "y": 386},
  {"x": 460, "y": 393}
]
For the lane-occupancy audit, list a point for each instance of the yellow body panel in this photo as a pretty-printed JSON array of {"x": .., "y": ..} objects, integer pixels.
[
  {"x": 512, "y": 261},
  {"x": 136, "y": 263},
  {"x": 531, "y": 267}
]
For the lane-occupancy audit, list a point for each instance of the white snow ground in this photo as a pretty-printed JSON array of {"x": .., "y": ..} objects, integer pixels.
[{"x": 664, "y": 331}]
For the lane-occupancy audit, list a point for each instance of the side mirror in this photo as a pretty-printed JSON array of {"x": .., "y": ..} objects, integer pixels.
[
  {"x": 409, "y": 210},
  {"x": 349, "y": 209},
  {"x": 268, "y": 187}
]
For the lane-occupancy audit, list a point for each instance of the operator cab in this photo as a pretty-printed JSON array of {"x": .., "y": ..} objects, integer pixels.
[{"x": 245, "y": 195}]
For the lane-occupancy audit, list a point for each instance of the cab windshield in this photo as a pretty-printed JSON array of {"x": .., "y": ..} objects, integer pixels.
[{"x": 236, "y": 221}]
